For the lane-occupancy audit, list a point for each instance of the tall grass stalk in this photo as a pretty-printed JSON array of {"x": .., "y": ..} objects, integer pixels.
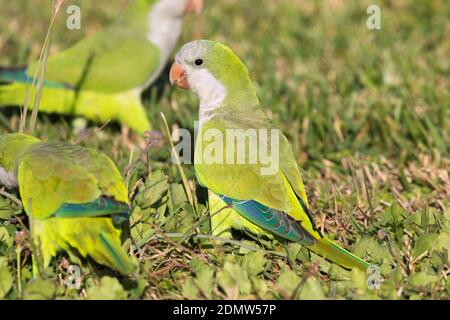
[
  {"x": 40, "y": 71},
  {"x": 189, "y": 191}
]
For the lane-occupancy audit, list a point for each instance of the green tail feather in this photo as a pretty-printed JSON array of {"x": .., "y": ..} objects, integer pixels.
[
  {"x": 95, "y": 237},
  {"x": 331, "y": 251},
  {"x": 116, "y": 255}
]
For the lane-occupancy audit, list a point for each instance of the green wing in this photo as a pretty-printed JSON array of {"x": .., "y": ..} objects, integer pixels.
[
  {"x": 77, "y": 200},
  {"x": 289, "y": 168},
  {"x": 282, "y": 191},
  {"x": 246, "y": 181},
  {"x": 118, "y": 58},
  {"x": 54, "y": 174},
  {"x": 275, "y": 203}
]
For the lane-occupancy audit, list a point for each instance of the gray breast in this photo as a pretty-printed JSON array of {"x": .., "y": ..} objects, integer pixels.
[{"x": 8, "y": 179}]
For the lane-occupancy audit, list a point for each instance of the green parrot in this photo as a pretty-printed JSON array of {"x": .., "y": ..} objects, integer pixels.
[
  {"x": 264, "y": 202},
  {"x": 75, "y": 198},
  {"x": 102, "y": 77}
]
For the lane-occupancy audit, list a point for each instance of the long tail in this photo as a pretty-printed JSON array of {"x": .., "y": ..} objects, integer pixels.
[
  {"x": 332, "y": 251},
  {"x": 116, "y": 257},
  {"x": 95, "y": 237},
  {"x": 283, "y": 225}
]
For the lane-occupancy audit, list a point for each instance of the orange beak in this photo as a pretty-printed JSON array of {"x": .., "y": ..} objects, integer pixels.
[
  {"x": 178, "y": 76},
  {"x": 194, "y": 6}
]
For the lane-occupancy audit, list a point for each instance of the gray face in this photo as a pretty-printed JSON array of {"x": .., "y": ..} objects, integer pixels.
[
  {"x": 192, "y": 51},
  {"x": 172, "y": 8}
]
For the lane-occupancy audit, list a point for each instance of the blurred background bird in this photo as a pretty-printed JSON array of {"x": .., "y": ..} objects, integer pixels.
[
  {"x": 75, "y": 198},
  {"x": 103, "y": 76}
]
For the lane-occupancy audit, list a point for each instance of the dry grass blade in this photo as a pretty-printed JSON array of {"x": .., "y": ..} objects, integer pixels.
[
  {"x": 186, "y": 185},
  {"x": 40, "y": 70},
  {"x": 11, "y": 197},
  {"x": 43, "y": 63}
]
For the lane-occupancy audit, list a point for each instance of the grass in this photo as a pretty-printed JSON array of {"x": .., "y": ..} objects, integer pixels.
[{"x": 367, "y": 113}]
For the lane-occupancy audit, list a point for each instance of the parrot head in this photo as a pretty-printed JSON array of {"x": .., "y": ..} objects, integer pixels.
[
  {"x": 12, "y": 148},
  {"x": 214, "y": 72}
]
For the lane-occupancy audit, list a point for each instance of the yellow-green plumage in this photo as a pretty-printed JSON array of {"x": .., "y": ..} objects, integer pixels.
[
  {"x": 125, "y": 107},
  {"x": 73, "y": 196},
  {"x": 95, "y": 237},
  {"x": 244, "y": 182},
  {"x": 265, "y": 204}
]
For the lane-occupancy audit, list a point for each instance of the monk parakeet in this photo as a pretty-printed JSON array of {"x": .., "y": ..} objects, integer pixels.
[
  {"x": 102, "y": 77},
  {"x": 265, "y": 202},
  {"x": 75, "y": 198}
]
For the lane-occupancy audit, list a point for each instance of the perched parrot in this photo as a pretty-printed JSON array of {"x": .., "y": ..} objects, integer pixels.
[
  {"x": 102, "y": 76},
  {"x": 75, "y": 198},
  {"x": 263, "y": 203}
]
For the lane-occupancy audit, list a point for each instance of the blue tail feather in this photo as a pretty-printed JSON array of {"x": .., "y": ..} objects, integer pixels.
[
  {"x": 14, "y": 75},
  {"x": 19, "y": 74}
]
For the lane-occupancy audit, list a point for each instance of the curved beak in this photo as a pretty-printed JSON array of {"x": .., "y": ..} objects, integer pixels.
[
  {"x": 177, "y": 75},
  {"x": 194, "y": 6}
]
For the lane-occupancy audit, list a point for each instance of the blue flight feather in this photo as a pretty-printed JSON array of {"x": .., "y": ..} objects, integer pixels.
[
  {"x": 20, "y": 75},
  {"x": 102, "y": 206},
  {"x": 275, "y": 221}
]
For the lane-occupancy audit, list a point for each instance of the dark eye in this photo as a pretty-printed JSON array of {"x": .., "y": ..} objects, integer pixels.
[{"x": 198, "y": 62}]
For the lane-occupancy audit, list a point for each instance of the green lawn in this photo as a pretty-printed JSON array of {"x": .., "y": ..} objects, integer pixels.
[{"x": 367, "y": 113}]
